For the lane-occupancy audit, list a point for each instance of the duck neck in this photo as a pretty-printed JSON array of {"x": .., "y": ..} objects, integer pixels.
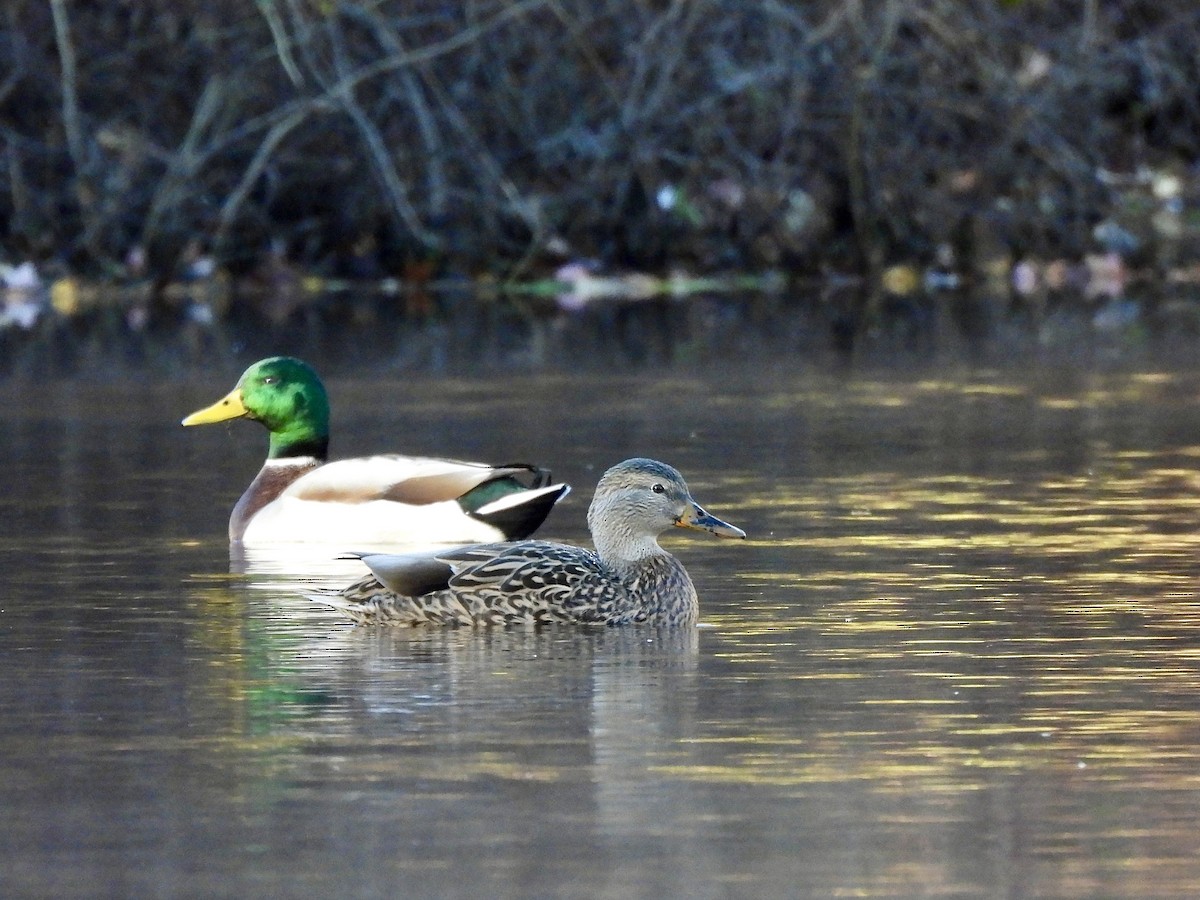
[
  {"x": 626, "y": 552},
  {"x": 291, "y": 444},
  {"x": 297, "y": 419}
]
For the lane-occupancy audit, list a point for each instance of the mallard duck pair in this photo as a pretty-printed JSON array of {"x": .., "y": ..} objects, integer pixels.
[{"x": 627, "y": 579}]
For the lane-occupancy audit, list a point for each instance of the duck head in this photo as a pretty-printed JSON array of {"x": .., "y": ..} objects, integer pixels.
[
  {"x": 287, "y": 397},
  {"x": 639, "y": 499}
]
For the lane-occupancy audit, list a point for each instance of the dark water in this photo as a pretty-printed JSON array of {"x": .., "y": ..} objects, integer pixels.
[{"x": 959, "y": 655}]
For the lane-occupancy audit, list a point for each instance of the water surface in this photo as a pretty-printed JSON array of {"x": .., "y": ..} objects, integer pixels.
[{"x": 958, "y": 655}]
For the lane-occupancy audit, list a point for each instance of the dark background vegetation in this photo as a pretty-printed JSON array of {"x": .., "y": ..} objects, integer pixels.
[{"x": 364, "y": 137}]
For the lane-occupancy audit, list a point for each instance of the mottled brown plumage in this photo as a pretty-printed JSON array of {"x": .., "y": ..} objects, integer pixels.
[{"x": 627, "y": 579}]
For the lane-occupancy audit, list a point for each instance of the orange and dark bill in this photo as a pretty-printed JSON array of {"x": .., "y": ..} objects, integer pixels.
[{"x": 695, "y": 517}]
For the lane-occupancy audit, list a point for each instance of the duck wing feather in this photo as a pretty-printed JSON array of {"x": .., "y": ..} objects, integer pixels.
[{"x": 404, "y": 479}]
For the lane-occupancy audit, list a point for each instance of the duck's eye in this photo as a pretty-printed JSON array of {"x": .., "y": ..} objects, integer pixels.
[
  {"x": 269, "y": 379},
  {"x": 658, "y": 488}
]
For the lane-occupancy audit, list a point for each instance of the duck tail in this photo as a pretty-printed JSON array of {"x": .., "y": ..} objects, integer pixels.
[
  {"x": 519, "y": 515},
  {"x": 369, "y": 603},
  {"x": 361, "y": 613},
  {"x": 539, "y": 477}
]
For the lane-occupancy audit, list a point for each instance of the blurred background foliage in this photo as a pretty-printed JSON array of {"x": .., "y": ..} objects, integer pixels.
[{"x": 358, "y": 138}]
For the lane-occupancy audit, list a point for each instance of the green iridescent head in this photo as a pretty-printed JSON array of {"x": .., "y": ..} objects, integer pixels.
[{"x": 287, "y": 396}]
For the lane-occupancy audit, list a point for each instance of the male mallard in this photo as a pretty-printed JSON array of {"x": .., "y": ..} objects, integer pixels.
[
  {"x": 298, "y": 496},
  {"x": 629, "y": 578}
]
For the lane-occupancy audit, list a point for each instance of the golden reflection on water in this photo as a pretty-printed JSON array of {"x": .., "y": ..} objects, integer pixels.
[
  {"x": 926, "y": 638},
  {"x": 1033, "y": 624},
  {"x": 958, "y": 655}
]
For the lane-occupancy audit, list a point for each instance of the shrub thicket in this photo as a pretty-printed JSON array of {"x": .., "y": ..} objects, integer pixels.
[{"x": 719, "y": 134}]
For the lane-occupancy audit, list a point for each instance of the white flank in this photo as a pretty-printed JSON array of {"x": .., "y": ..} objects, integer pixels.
[
  {"x": 308, "y": 512},
  {"x": 372, "y": 473},
  {"x": 290, "y": 520}
]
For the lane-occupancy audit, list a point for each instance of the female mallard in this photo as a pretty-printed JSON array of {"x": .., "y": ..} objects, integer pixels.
[
  {"x": 298, "y": 496},
  {"x": 629, "y": 578}
]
